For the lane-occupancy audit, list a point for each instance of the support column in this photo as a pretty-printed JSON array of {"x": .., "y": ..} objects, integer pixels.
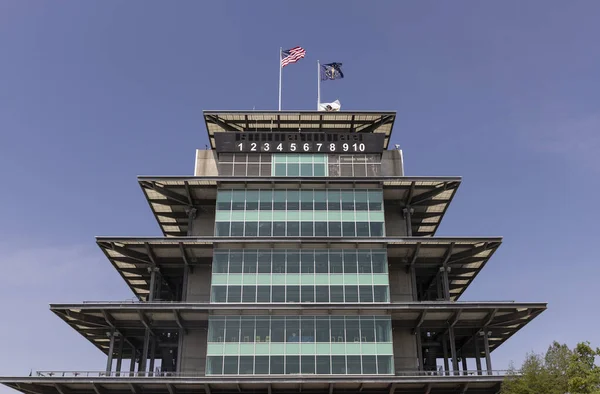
[
  {"x": 446, "y": 286},
  {"x": 419, "y": 349},
  {"x": 132, "y": 365},
  {"x": 152, "y": 283},
  {"x": 453, "y": 349},
  {"x": 445, "y": 350},
  {"x": 180, "y": 351},
  {"x": 111, "y": 350},
  {"x": 144, "y": 359},
  {"x": 477, "y": 355},
  {"x": 413, "y": 281},
  {"x": 486, "y": 344},
  {"x": 438, "y": 283},
  {"x": 463, "y": 360},
  {"x": 407, "y": 213},
  {"x": 152, "y": 356},
  {"x": 186, "y": 275},
  {"x": 120, "y": 355}
]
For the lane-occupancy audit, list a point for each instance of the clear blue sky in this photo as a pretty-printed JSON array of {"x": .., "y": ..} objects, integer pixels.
[{"x": 92, "y": 94}]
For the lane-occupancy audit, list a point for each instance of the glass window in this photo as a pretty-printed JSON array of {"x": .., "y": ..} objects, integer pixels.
[
  {"x": 263, "y": 294},
  {"x": 333, "y": 200},
  {"x": 215, "y": 365},
  {"x": 383, "y": 330},
  {"x": 337, "y": 293},
  {"x": 321, "y": 259},
  {"x": 322, "y": 329},
  {"x": 338, "y": 365},
  {"x": 376, "y": 229},
  {"x": 278, "y": 263},
  {"x": 222, "y": 229},
  {"x": 369, "y": 365},
  {"x": 230, "y": 365},
  {"x": 246, "y": 365},
  {"x": 335, "y": 229},
  {"x": 247, "y": 329},
  {"x": 307, "y": 229},
  {"x": 251, "y": 229},
  {"x": 335, "y": 262},
  {"x": 320, "y": 229},
  {"x": 292, "y": 330},
  {"x": 219, "y": 294},
  {"x": 293, "y": 200},
  {"x": 322, "y": 293},
  {"x": 375, "y": 200},
  {"x": 308, "y": 293},
  {"x": 366, "y": 293},
  {"x": 307, "y": 262},
  {"x": 384, "y": 364},
  {"x": 261, "y": 365},
  {"x": 293, "y": 229},
  {"x": 293, "y": 169},
  {"x": 350, "y": 262},
  {"x": 360, "y": 198},
  {"x": 307, "y": 326},
  {"x": 323, "y": 365},
  {"x": 380, "y": 294},
  {"x": 364, "y": 262},
  {"x": 220, "y": 262},
  {"x": 234, "y": 294},
  {"x": 262, "y": 330},
  {"x": 306, "y": 169},
  {"x": 347, "y": 200},
  {"x": 264, "y": 261},
  {"x": 279, "y": 229},
  {"x": 277, "y": 365},
  {"x": 352, "y": 329},
  {"x": 337, "y": 330},
  {"x": 351, "y": 293},
  {"x": 348, "y": 229},
  {"x": 293, "y": 294},
  {"x": 367, "y": 329},
  {"x": 237, "y": 229},
  {"x": 278, "y": 294},
  {"x": 279, "y": 200},
  {"x": 277, "y": 329},
  {"x": 266, "y": 200},
  {"x": 264, "y": 229},
  {"x": 379, "y": 263},
  {"x": 320, "y": 198},
  {"x": 293, "y": 262},
  {"x": 292, "y": 364},
  {"x": 362, "y": 229},
  {"x": 319, "y": 170},
  {"x": 235, "y": 261},
  {"x": 308, "y": 364},
  {"x": 251, "y": 200},
  {"x": 306, "y": 200},
  {"x": 354, "y": 365},
  {"x": 250, "y": 262},
  {"x": 232, "y": 330},
  {"x": 216, "y": 329},
  {"x": 248, "y": 293},
  {"x": 238, "y": 200}
]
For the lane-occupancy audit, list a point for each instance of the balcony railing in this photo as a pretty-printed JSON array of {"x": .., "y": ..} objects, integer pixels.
[{"x": 127, "y": 374}]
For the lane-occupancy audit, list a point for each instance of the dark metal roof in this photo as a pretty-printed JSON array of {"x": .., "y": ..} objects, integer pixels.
[
  {"x": 299, "y": 121},
  {"x": 172, "y": 198},
  {"x": 313, "y": 384},
  {"x": 132, "y": 257},
  {"x": 94, "y": 320}
]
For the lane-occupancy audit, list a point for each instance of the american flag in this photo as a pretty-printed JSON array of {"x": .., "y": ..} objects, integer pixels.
[{"x": 292, "y": 55}]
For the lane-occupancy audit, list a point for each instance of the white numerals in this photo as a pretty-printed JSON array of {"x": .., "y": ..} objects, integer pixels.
[
  {"x": 319, "y": 145},
  {"x": 332, "y": 147},
  {"x": 253, "y": 147},
  {"x": 293, "y": 147},
  {"x": 345, "y": 147},
  {"x": 266, "y": 146},
  {"x": 306, "y": 147},
  {"x": 280, "y": 147},
  {"x": 241, "y": 146}
]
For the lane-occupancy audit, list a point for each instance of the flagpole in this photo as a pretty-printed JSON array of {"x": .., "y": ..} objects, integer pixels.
[
  {"x": 318, "y": 85},
  {"x": 280, "y": 51}
]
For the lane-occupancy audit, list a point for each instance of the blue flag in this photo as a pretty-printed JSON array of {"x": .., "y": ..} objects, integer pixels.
[{"x": 331, "y": 71}]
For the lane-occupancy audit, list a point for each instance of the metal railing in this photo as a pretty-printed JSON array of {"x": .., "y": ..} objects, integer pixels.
[{"x": 127, "y": 374}]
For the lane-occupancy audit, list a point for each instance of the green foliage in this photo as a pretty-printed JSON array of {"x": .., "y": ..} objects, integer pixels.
[{"x": 559, "y": 371}]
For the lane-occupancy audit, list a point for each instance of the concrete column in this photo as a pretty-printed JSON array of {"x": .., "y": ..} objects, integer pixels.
[
  {"x": 186, "y": 275},
  {"x": 438, "y": 282},
  {"x": 152, "y": 283},
  {"x": 463, "y": 359},
  {"x": 419, "y": 349},
  {"x": 445, "y": 350},
  {"x": 152, "y": 353},
  {"x": 446, "y": 285},
  {"x": 111, "y": 350},
  {"x": 477, "y": 355},
  {"x": 407, "y": 213},
  {"x": 453, "y": 350},
  {"x": 132, "y": 365},
  {"x": 144, "y": 359},
  {"x": 488, "y": 359},
  {"x": 120, "y": 355},
  {"x": 180, "y": 351},
  {"x": 413, "y": 280}
]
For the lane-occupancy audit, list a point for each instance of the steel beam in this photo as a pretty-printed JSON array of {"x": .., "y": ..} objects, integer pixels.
[
  {"x": 486, "y": 345},
  {"x": 477, "y": 356},
  {"x": 111, "y": 350}
]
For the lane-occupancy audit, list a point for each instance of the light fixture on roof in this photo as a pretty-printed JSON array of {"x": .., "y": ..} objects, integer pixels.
[{"x": 397, "y": 146}]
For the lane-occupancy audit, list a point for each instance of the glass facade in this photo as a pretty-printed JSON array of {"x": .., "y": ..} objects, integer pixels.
[
  {"x": 305, "y": 212},
  {"x": 305, "y": 164},
  {"x": 307, "y": 275},
  {"x": 276, "y": 345}
]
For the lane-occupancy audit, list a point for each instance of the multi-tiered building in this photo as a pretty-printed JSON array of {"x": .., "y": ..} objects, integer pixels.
[{"x": 298, "y": 258}]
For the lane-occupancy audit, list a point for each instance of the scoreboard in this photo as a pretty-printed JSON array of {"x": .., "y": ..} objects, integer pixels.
[{"x": 298, "y": 142}]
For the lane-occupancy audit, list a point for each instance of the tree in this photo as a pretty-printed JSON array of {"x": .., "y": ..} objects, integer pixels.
[{"x": 559, "y": 371}]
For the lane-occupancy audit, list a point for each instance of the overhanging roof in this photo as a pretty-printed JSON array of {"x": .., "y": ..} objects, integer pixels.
[
  {"x": 172, "y": 198},
  {"x": 94, "y": 320},
  {"x": 313, "y": 384},
  {"x": 132, "y": 257},
  {"x": 299, "y": 121}
]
